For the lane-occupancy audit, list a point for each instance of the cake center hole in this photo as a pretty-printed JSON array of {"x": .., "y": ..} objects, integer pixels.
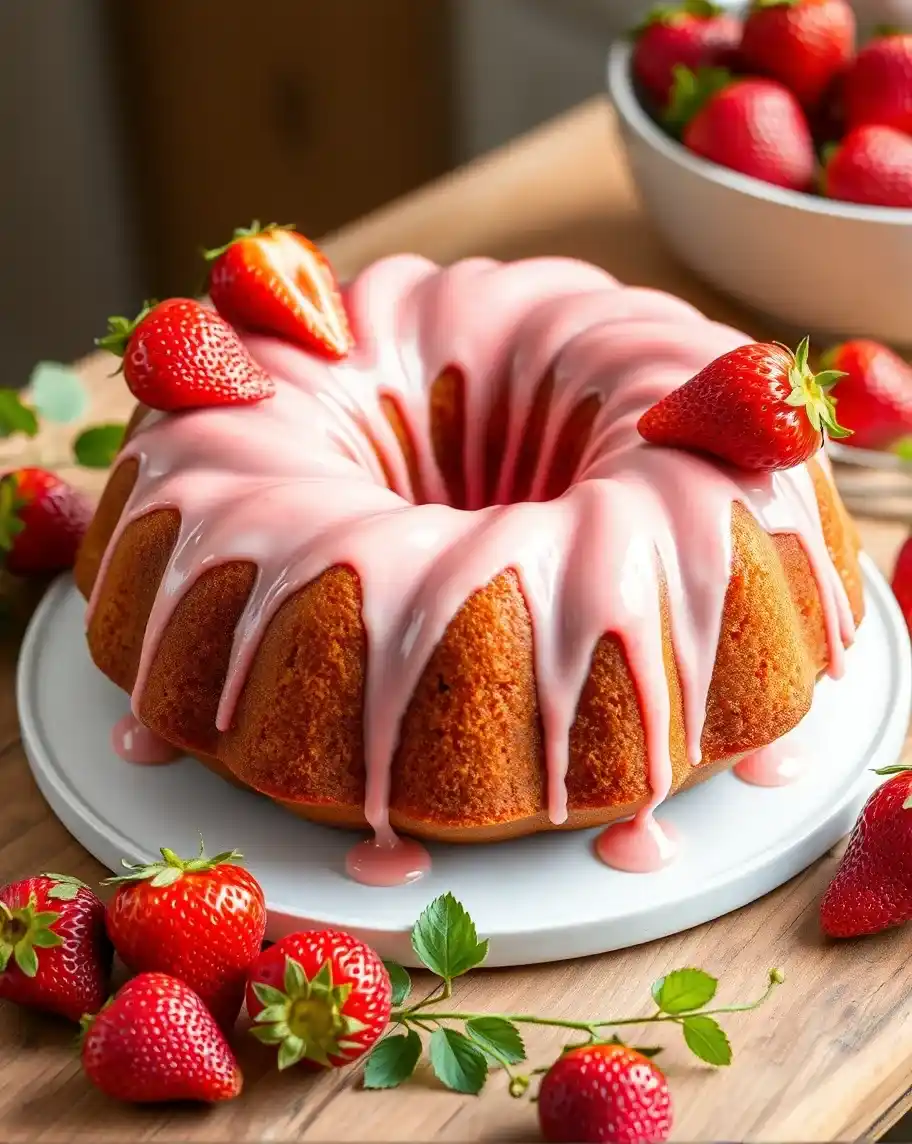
[{"x": 534, "y": 461}]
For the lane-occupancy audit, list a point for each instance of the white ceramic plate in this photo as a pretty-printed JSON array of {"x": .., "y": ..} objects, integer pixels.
[{"x": 538, "y": 899}]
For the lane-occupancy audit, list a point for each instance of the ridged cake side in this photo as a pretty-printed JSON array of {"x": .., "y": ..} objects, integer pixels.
[{"x": 469, "y": 765}]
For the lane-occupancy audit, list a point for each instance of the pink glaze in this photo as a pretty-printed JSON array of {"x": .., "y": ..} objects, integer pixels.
[
  {"x": 772, "y": 766},
  {"x": 137, "y": 744},
  {"x": 375, "y": 863},
  {"x": 295, "y": 486},
  {"x": 639, "y": 846}
]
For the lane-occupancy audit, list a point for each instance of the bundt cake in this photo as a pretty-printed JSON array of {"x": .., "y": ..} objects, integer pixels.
[{"x": 444, "y": 588}]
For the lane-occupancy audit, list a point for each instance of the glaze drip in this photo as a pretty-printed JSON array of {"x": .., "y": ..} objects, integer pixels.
[{"x": 317, "y": 477}]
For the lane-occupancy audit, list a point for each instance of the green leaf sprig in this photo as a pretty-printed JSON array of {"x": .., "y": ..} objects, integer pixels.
[
  {"x": 446, "y": 942},
  {"x": 56, "y": 395}
]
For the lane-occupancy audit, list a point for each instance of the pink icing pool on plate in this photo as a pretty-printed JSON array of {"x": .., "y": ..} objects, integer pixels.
[
  {"x": 298, "y": 484},
  {"x": 137, "y": 744}
]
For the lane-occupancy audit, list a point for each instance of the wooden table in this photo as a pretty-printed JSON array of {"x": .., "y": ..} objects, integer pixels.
[{"x": 830, "y": 1057}]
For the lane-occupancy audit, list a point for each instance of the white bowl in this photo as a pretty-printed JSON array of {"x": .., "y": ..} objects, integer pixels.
[{"x": 816, "y": 265}]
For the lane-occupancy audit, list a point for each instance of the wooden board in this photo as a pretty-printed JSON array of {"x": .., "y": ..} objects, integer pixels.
[{"x": 830, "y": 1058}]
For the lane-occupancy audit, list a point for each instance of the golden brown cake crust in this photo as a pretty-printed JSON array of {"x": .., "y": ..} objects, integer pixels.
[{"x": 469, "y": 766}]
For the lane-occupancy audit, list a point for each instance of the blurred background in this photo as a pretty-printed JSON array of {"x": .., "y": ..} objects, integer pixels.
[{"x": 135, "y": 131}]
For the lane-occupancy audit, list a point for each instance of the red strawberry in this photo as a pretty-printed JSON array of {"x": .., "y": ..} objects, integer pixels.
[
  {"x": 42, "y": 522},
  {"x": 878, "y": 87},
  {"x": 875, "y": 397},
  {"x": 321, "y": 996},
  {"x": 754, "y": 126},
  {"x": 872, "y": 165},
  {"x": 54, "y": 953},
  {"x": 803, "y": 44},
  {"x": 872, "y": 889},
  {"x": 201, "y": 920},
  {"x": 604, "y": 1092},
  {"x": 902, "y": 580},
  {"x": 277, "y": 282},
  {"x": 157, "y": 1041},
  {"x": 694, "y": 34},
  {"x": 758, "y": 407},
  {"x": 181, "y": 355}
]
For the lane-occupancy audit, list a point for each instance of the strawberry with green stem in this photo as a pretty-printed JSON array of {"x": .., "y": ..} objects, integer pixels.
[
  {"x": 759, "y": 407},
  {"x": 199, "y": 919},
  {"x": 54, "y": 953},
  {"x": 446, "y": 942}
]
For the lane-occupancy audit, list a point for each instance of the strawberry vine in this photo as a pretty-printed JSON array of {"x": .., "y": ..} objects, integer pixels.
[{"x": 446, "y": 942}]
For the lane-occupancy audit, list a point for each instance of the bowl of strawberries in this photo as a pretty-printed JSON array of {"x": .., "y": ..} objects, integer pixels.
[{"x": 772, "y": 147}]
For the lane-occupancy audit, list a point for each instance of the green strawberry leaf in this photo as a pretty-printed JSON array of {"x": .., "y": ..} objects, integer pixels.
[
  {"x": 268, "y": 994},
  {"x": 96, "y": 448},
  {"x": 497, "y": 1037},
  {"x": 57, "y": 392},
  {"x": 690, "y": 93},
  {"x": 706, "y": 1039},
  {"x": 675, "y": 13},
  {"x": 393, "y": 1061},
  {"x": 445, "y": 939},
  {"x": 65, "y": 887},
  {"x": 458, "y": 1063},
  {"x": 26, "y": 958},
  {"x": 11, "y": 502},
  {"x": 15, "y": 415},
  {"x": 291, "y": 1050},
  {"x": 684, "y": 990},
  {"x": 400, "y": 981}
]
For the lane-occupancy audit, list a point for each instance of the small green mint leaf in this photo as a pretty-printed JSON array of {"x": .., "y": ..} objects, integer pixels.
[
  {"x": 458, "y": 1063},
  {"x": 706, "y": 1039},
  {"x": 445, "y": 939},
  {"x": 97, "y": 447},
  {"x": 15, "y": 415},
  {"x": 684, "y": 990},
  {"x": 498, "y": 1038},
  {"x": 400, "y": 981},
  {"x": 392, "y": 1061},
  {"x": 57, "y": 392}
]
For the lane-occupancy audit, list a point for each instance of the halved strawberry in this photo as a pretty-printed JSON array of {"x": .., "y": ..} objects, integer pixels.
[{"x": 275, "y": 281}]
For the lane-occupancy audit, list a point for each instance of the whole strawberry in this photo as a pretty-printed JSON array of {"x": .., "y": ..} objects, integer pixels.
[
  {"x": 201, "y": 920},
  {"x": 321, "y": 996},
  {"x": 755, "y": 126},
  {"x": 42, "y": 522},
  {"x": 181, "y": 355},
  {"x": 804, "y": 44},
  {"x": 695, "y": 34},
  {"x": 902, "y": 581},
  {"x": 604, "y": 1092},
  {"x": 54, "y": 952},
  {"x": 759, "y": 407},
  {"x": 157, "y": 1041},
  {"x": 872, "y": 165},
  {"x": 878, "y": 87},
  {"x": 276, "y": 281},
  {"x": 875, "y": 394},
  {"x": 872, "y": 889}
]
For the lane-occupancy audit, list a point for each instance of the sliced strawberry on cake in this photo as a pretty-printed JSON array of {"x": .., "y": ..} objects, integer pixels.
[{"x": 275, "y": 281}]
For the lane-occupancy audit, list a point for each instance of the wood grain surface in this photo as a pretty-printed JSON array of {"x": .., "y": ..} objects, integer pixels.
[{"x": 829, "y": 1058}]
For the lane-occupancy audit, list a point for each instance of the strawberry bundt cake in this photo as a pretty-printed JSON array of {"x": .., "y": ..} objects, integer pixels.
[{"x": 442, "y": 587}]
